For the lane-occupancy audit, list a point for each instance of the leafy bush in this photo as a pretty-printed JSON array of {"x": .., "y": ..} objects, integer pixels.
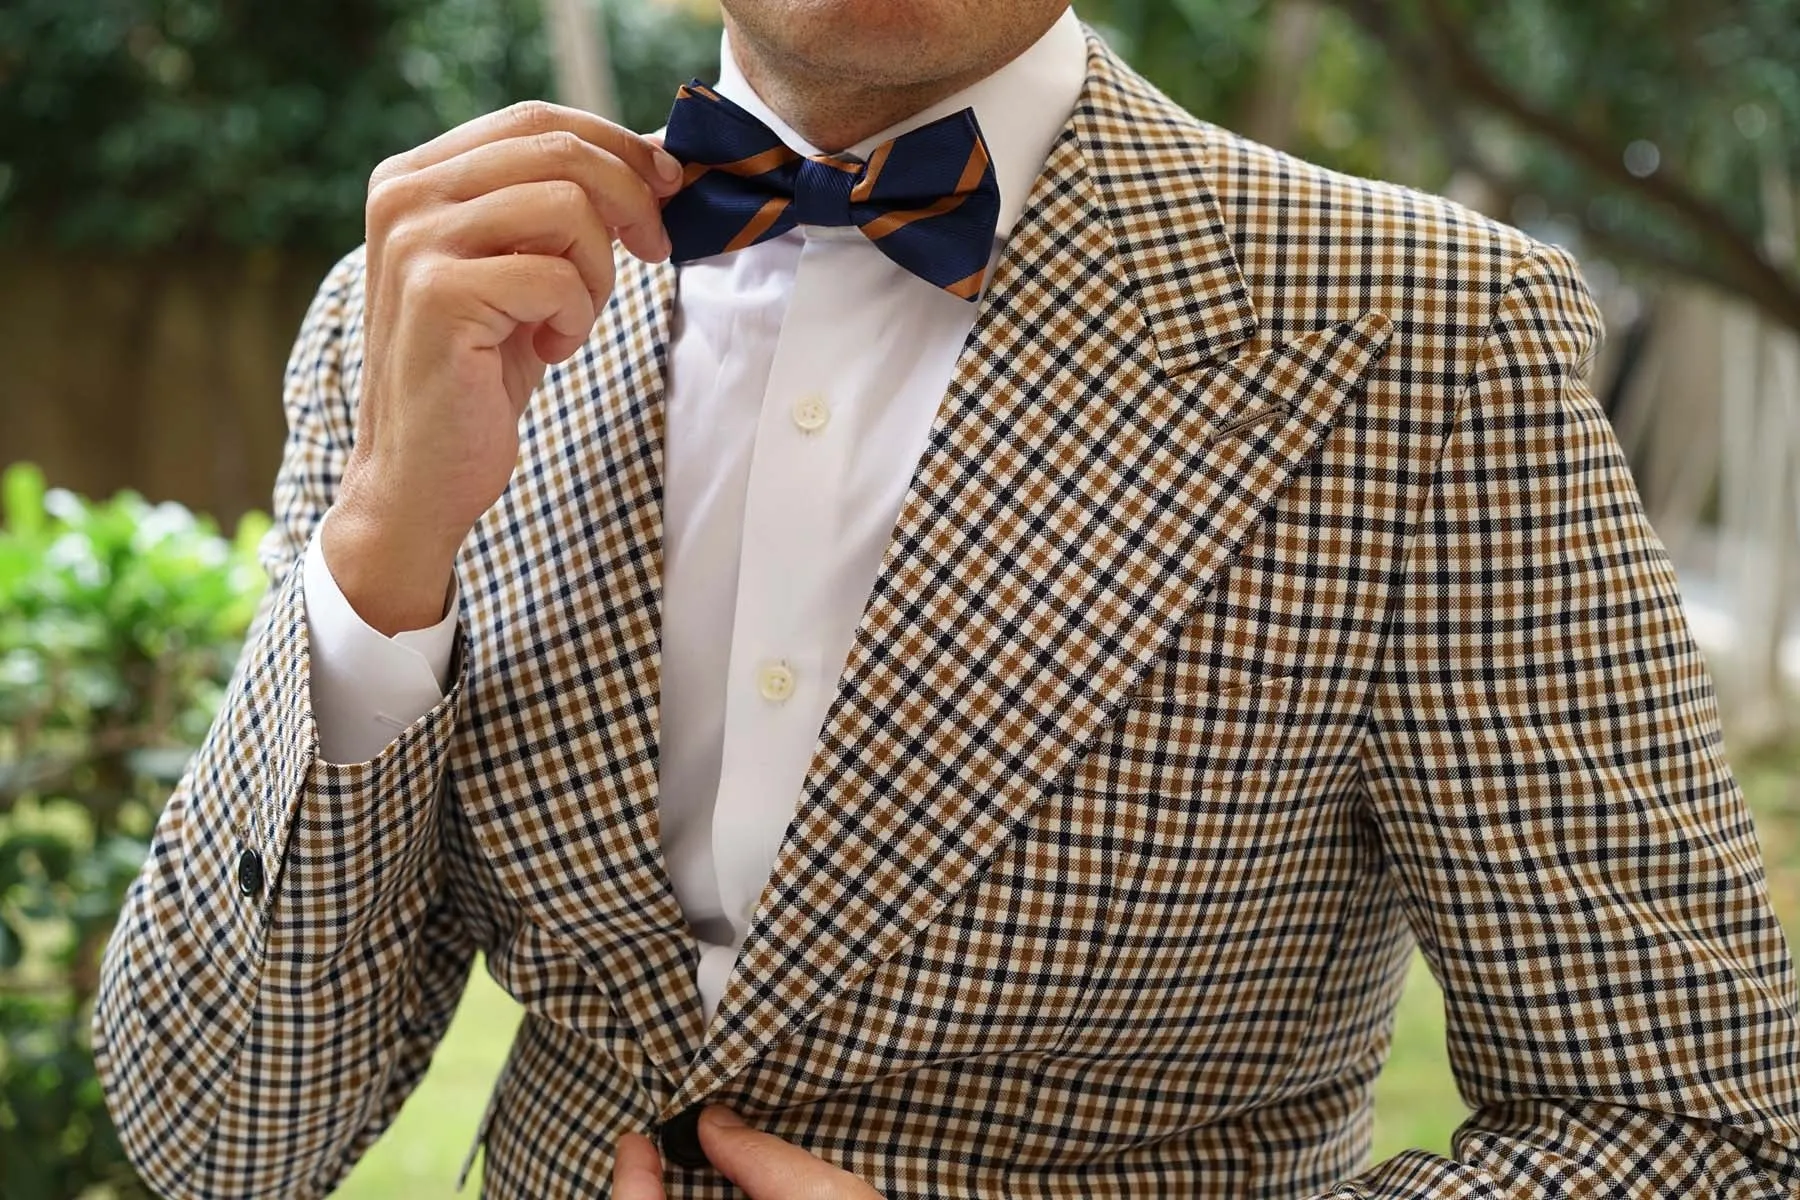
[
  {"x": 119, "y": 624},
  {"x": 180, "y": 123}
]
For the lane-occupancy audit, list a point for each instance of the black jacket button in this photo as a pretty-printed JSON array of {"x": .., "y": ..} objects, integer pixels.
[
  {"x": 250, "y": 873},
  {"x": 679, "y": 1138}
]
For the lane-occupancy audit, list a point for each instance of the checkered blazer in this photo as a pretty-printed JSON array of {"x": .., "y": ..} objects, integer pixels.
[{"x": 1271, "y": 596}]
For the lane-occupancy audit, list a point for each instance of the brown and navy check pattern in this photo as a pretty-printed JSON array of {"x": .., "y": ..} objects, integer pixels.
[{"x": 1271, "y": 598}]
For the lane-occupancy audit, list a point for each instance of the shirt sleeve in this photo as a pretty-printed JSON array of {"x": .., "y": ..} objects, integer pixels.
[{"x": 368, "y": 688}]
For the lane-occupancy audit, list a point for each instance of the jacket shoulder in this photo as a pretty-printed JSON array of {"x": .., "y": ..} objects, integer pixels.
[
  {"x": 1290, "y": 215},
  {"x": 1313, "y": 245}
]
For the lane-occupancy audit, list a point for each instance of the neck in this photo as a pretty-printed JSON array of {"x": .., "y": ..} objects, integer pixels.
[{"x": 831, "y": 112}]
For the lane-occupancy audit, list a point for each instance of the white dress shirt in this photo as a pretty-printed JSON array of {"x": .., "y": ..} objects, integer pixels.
[{"x": 804, "y": 375}]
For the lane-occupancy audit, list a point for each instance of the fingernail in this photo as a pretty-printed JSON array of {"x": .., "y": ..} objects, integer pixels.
[
  {"x": 667, "y": 167},
  {"x": 718, "y": 1114}
]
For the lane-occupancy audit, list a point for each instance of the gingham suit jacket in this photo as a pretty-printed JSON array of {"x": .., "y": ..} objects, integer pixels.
[{"x": 1271, "y": 593}]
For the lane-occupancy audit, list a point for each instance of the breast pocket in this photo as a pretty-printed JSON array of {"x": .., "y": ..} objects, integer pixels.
[
  {"x": 1178, "y": 741},
  {"x": 1231, "y": 838}
]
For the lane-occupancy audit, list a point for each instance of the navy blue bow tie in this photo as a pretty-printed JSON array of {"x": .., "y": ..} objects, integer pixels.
[{"x": 927, "y": 199}]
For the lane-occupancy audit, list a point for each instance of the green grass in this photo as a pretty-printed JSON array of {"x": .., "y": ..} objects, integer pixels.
[{"x": 1416, "y": 1100}]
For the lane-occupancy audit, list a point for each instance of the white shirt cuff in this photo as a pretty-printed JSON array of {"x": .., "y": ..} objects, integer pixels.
[{"x": 367, "y": 688}]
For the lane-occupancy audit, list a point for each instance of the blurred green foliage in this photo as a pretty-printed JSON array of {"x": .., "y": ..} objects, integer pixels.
[
  {"x": 150, "y": 124},
  {"x": 1215, "y": 58},
  {"x": 119, "y": 624},
  {"x": 657, "y": 45}
]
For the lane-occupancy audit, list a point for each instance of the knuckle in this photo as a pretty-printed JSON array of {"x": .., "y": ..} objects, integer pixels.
[
  {"x": 387, "y": 169},
  {"x": 531, "y": 115},
  {"x": 830, "y": 1183},
  {"x": 567, "y": 195},
  {"x": 568, "y": 277},
  {"x": 429, "y": 279},
  {"x": 559, "y": 144},
  {"x": 404, "y": 237},
  {"x": 387, "y": 201}
]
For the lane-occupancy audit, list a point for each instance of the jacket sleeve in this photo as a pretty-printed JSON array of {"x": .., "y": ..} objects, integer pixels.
[
  {"x": 1543, "y": 763},
  {"x": 286, "y": 961}
]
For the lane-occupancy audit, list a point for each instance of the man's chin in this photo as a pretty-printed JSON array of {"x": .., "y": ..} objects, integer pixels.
[{"x": 878, "y": 41}]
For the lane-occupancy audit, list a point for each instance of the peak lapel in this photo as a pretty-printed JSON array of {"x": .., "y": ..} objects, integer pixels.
[{"x": 1082, "y": 485}]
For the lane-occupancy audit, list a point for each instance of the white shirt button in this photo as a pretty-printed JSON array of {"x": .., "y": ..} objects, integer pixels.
[
  {"x": 811, "y": 413},
  {"x": 775, "y": 681}
]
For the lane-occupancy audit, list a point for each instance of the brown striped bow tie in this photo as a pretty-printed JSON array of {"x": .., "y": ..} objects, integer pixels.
[{"x": 927, "y": 199}]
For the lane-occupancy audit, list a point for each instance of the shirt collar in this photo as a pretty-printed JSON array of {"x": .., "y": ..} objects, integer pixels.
[{"x": 1021, "y": 109}]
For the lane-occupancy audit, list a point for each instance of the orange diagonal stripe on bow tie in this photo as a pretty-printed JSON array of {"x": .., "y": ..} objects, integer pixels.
[
  {"x": 759, "y": 224},
  {"x": 756, "y": 164},
  {"x": 968, "y": 286},
  {"x": 865, "y": 187},
  {"x": 972, "y": 172}
]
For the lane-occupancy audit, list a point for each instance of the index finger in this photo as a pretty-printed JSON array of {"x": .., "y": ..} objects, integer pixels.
[
  {"x": 637, "y": 1169},
  {"x": 658, "y": 168}
]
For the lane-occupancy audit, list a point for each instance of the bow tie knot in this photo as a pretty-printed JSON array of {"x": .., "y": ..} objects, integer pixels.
[
  {"x": 822, "y": 192},
  {"x": 927, "y": 199}
]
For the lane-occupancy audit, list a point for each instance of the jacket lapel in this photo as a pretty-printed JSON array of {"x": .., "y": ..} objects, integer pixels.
[
  {"x": 573, "y": 557},
  {"x": 1092, "y": 468}
]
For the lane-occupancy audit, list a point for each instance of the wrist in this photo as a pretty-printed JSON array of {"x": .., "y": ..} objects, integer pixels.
[{"x": 396, "y": 579}]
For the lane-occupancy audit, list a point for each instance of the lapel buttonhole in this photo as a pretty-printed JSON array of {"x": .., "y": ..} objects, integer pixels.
[{"x": 1243, "y": 424}]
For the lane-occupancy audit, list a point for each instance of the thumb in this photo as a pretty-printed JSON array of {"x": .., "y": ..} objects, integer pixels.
[
  {"x": 656, "y": 139},
  {"x": 768, "y": 1168}
]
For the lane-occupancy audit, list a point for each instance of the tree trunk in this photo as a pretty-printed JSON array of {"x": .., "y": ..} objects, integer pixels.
[
  {"x": 583, "y": 66},
  {"x": 1293, "y": 39}
]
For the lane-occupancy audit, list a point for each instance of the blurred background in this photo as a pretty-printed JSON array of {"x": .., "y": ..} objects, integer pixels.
[{"x": 177, "y": 175}]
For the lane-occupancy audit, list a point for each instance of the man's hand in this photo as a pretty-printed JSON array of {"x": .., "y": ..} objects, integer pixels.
[
  {"x": 763, "y": 1165},
  {"x": 489, "y": 257}
]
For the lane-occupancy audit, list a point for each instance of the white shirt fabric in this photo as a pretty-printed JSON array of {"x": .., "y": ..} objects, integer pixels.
[{"x": 804, "y": 375}]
